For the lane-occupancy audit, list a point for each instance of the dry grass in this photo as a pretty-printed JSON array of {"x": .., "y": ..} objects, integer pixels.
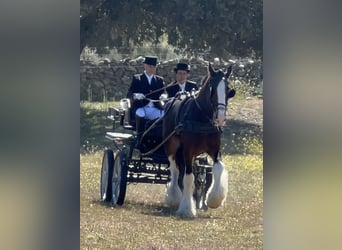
[{"x": 145, "y": 222}]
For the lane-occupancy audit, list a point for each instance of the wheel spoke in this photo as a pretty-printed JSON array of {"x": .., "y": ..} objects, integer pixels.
[
  {"x": 116, "y": 180},
  {"x": 116, "y": 188},
  {"x": 104, "y": 182},
  {"x": 106, "y": 176}
]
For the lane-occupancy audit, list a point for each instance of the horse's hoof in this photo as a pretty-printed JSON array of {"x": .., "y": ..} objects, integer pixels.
[
  {"x": 170, "y": 203},
  {"x": 186, "y": 214},
  {"x": 215, "y": 202},
  {"x": 204, "y": 207},
  {"x": 186, "y": 211},
  {"x": 173, "y": 196}
]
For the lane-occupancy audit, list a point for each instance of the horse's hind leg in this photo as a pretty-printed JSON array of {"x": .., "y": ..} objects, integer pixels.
[{"x": 219, "y": 188}]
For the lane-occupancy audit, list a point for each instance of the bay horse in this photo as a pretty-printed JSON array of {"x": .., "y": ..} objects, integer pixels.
[{"x": 195, "y": 123}]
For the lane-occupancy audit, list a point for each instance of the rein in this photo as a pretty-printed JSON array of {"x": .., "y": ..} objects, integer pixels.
[
  {"x": 160, "y": 118},
  {"x": 160, "y": 144},
  {"x": 153, "y": 125},
  {"x": 163, "y": 88}
]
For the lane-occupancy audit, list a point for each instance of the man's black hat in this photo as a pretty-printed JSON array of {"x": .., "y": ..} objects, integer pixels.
[
  {"x": 182, "y": 66},
  {"x": 151, "y": 60}
]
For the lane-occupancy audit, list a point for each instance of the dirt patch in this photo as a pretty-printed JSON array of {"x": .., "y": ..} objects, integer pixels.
[{"x": 249, "y": 111}]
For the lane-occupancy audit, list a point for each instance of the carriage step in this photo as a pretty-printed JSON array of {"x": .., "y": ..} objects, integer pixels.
[
  {"x": 150, "y": 179},
  {"x": 111, "y": 117},
  {"x": 117, "y": 136},
  {"x": 128, "y": 127}
]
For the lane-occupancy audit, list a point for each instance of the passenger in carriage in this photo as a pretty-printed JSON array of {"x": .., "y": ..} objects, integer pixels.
[
  {"x": 182, "y": 84},
  {"x": 148, "y": 85}
]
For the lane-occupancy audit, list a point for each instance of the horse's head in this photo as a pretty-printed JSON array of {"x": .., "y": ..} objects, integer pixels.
[{"x": 220, "y": 92}]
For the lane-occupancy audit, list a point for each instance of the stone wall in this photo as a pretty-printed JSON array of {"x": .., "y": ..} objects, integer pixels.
[{"x": 110, "y": 80}]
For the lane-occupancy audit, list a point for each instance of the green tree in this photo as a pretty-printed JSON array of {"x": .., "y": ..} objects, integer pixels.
[{"x": 219, "y": 26}]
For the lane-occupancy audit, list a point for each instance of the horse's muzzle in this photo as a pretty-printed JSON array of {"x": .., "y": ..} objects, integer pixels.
[
  {"x": 221, "y": 116},
  {"x": 220, "y": 121}
]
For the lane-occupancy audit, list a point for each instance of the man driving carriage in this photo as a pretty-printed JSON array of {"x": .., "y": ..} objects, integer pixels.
[
  {"x": 145, "y": 91},
  {"x": 182, "y": 84}
]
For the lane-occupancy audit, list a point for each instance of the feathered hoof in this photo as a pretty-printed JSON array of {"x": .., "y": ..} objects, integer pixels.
[
  {"x": 204, "y": 207},
  {"x": 173, "y": 196},
  {"x": 171, "y": 202},
  {"x": 186, "y": 213},
  {"x": 187, "y": 209},
  {"x": 215, "y": 201}
]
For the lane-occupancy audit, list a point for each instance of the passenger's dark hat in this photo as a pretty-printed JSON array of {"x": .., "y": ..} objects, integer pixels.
[
  {"x": 182, "y": 66},
  {"x": 151, "y": 60}
]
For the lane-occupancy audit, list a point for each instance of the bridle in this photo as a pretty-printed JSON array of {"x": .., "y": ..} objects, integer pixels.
[
  {"x": 221, "y": 107},
  {"x": 212, "y": 84}
]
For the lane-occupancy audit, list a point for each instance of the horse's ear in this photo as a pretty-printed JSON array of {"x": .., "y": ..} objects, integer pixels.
[
  {"x": 229, "y": 70},
  {"x": 211, "y": 70}
]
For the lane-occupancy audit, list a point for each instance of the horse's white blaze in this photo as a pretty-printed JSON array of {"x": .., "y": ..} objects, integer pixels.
[
  {"x": 187, "y": 205},
  {"x": 173, "y": 192},
  {"x": 221, "y": 96},
  {"x": 218, "y": 191}
]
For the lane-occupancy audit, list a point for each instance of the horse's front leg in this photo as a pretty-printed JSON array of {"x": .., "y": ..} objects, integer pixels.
[
  {"x": 173, "y": 192},
  {"x": 219, "y": 188},
  {"x": 187, "y": 207}
]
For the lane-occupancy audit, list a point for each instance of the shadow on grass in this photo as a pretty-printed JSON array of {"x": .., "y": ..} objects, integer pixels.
[
  {"x": 239, "y": 137},
  {"x": 162, "y": 210},
  {"x": 155, "y": 210},
  {"x": 98, "y": 202}
]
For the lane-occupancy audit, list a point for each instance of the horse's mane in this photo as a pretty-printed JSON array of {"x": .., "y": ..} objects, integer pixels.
[
  {"x": 204, "y": 83},
  {"x": 205, "y": 80}
]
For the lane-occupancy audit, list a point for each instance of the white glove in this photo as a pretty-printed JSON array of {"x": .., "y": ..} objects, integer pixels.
[
  {"x": 138, "y": 96},
  {"x": 163, "y": 97}
]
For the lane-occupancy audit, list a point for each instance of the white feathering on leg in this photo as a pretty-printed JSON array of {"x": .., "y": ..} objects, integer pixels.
[
  {"x": 218, "y": 191},
  {"x": 187, "y": 205},
  {"x": 173, "y": 192}
]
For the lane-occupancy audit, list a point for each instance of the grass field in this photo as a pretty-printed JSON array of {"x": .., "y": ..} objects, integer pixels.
[{"x": 145, "y": 222}]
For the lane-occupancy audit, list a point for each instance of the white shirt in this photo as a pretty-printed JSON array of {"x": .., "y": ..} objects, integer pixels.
[
  {"x": 182, "y": 86},
  {"x": 149, "y": 78}
]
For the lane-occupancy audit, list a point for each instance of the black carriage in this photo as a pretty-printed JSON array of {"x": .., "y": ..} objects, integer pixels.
[{"x": 124, "y": 163}]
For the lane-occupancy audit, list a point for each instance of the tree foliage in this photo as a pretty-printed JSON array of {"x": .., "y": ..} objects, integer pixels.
[{"x": 220, "y": 26}]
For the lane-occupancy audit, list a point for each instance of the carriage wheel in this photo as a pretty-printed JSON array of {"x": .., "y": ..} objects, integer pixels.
[
  {"x": 106, "y": 175},
  {"x": 119, "y": 179}
]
